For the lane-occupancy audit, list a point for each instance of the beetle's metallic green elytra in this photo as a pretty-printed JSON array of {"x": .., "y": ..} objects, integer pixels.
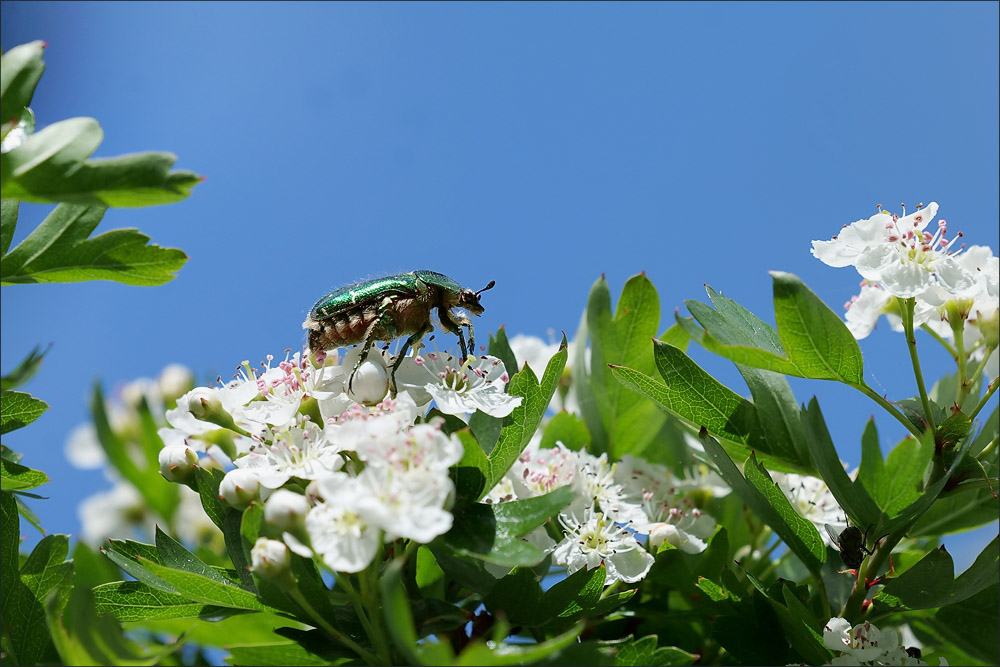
[{"x": 390, "y": 307}]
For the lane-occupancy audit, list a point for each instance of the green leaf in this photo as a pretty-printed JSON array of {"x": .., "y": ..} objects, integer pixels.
[
  {"x": 135, "y": 601},
  {"x": 18, "y": 409},
  {"x": 234, "y": 546},
  {"x": 174, "y": 555},
  {"x": 208, "y": 482},
  {"x": 629, "y": 420},
  {"x": 567, "y": 428},
  {"x": 8, "y": 223},
  {"x": 16, "y": 476},
  {"x": 397, "y": 611},
  {"x": 24, "y": 371},
  {"x": 520, "y": 425},
  {"x": 852, "y": 496},
  {"x": 481, "y": 653},
  {"x": 58, "y": 250},
  {"x": 769, "y": 503},
  {"x": 486, "y": 429},
  {"x": 904, "y": 475},
  {"x": 92, "y": 568},
  {"x": 469, "y": 474},
  {"x": 206, "y": 589},
  {"x": 279, "y": 653},
  {"x": 499, "y": 347},
  {"x": 237, "y": 628},
  {"x": 493, "y": 532},
  {"x": 973, "y": 625},
  {"x": 931, "y": 581},
  {"x": 698, "y": 399},
  {"x": 812, "y": 340},
  {"x": 518, "y": 597},
  {"x": 44, "y": 571},
  {"x": 575, "y": 595},
  {"x": 20, "y": 70},
  {"x": 51, "y": 166},
  {"x": 84, "y": 637}
]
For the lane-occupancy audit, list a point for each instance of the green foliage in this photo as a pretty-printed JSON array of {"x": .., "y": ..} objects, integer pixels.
[
  {"x": 769, "y": 503},
  {"x": 59, "y": 251},
  {"x": 18, "y": 409},
  {"x": 520, "y": 424}
]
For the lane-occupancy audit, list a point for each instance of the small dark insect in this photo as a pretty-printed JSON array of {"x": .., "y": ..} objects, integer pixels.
[
  {"x": 914, "y": 652},
  {"x": 387, "y": 308},
  {"x": 851, "y": 543}
]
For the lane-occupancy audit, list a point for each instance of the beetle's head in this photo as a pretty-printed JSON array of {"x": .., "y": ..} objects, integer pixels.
[{"x": 469, "y": 299}]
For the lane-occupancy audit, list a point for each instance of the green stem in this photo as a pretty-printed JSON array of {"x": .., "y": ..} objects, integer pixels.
[
  {"x": 823, "y": 596},
  {"x": 992, "y": 389},
  {"x": 944, "y": 342},
  {"x": 371, "y": 599},
  {"x": 296, "y": 595},
  {"x": 889, "y": 407},
  {"x": 963, "y": 371},
  {"x": 906, "y": 308},
  {"x": 853, "y": 609},
  {"x": 344, "y": 581},
  {"x": 987, "y": 450}
]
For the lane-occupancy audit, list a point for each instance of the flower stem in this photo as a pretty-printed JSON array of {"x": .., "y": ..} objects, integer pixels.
[
  {"x": 854, "y": 607},
  {"x": 906, "y": 309},
  {"x": 992, "y": 389},
  {"x": 889, "y": 407},
  {"x": 344, "y": 581},
  {"x": 987, "y": 450},
  {"x": 963, "y": 371},
  {"x": 338, "y": 636},
  {"x": 944, "y": 342}
]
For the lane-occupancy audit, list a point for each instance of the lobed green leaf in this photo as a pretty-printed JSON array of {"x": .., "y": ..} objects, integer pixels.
[
  {"x": 769, "y": 503},
  {"x": 59, "y": 250},
  {"x": 18, "y": 477},
  {"x": 20, "y": 70},
  {"x": 520, "y": 425},
  {"x": 18, "y": 409}
]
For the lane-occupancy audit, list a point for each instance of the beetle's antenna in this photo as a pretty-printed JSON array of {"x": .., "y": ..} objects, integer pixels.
[{"x": 490, "y": 286}]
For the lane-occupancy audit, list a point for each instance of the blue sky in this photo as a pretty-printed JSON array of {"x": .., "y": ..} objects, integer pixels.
[{"x": 538, "y": 145}]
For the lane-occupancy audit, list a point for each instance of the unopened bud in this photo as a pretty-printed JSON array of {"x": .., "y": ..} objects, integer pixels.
[
  {"x": 205, "y": 405},
  {"x": 370, "y": 383},
  {"x": 239, "y": 488},
  {"x": 270, "y": 559},
  {"x": 286, "y": 510},
  {"x": 989, "y": 326},
  {"x": 174, "y": 381},
  {"x": 177, "y": 463}
]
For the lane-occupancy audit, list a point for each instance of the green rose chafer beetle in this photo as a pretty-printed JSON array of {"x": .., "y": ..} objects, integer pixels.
[{"x": 390, "y": 307}]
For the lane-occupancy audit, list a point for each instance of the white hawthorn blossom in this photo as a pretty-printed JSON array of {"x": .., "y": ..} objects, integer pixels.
[
  {"x": 339, "y": 534},
  {"x": 458, "y": 388},
  {"x": 666, "y": 515},
  {"x": 865, "y": 644},
  {"x": 592, "y": 538},
  {"x": 301, "y": 450},
  {"x": 896, "y": 253}
]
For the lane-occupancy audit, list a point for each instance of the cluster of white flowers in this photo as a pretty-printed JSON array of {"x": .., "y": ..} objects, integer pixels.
[
  {"x": 899, "y": 257},
  {"x": 865, "y": 644},
  {"x": 614, "y": 506},
  {"x": 121, "y": 511},
  {"x": 340, "y": 465}
]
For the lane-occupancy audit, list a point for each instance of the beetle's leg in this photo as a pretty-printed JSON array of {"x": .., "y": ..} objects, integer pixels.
[
  {"x": 384, "y": 319},
  {"x": 412, "y": 340},
  {"x": 453, "y": 322}
]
